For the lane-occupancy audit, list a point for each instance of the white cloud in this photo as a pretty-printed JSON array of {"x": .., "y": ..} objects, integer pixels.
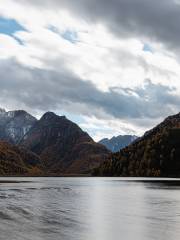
[
  {"x": 100, "y": 128},
  {"x": 99, "y": 56}
]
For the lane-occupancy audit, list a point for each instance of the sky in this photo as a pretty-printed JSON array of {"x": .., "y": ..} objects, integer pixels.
[{"x": 113, "y": 67}]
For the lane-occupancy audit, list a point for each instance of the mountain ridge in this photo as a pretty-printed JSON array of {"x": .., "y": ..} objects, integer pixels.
[
  {"x": 114, "y": 144},
  {"x": 155, "y": 154},
  {"x": 15, "y": 124},
  {"x": 63, "y": 146}
]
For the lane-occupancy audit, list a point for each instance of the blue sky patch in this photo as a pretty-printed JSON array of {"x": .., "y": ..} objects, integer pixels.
[
  {"x": 53, "y": 29},
  {"x": 68, "y": 35},
  {"x": 147, "y": 48},
  {"x": 9, "y": 27}
]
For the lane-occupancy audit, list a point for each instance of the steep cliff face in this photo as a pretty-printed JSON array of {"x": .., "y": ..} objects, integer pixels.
[
  {"x": 117, "y": 143},
  {"x": 157, "y": 153},
  {"x": 14, "y": 125},
  {"x": 18, "y": 161},
  {"x": 63, "y": 146}
]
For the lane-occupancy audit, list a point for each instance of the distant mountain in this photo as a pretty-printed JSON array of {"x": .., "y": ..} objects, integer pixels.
[
  {"x": 14, "y": 125},
  {"x": 157, "y": 153},
  {"x": 63, "y": 146},
  {"x": 116, "y": 143},
  {"x": 18, "y": 161}
]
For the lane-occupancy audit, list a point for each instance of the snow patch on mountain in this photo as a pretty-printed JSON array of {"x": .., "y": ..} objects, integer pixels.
[{"x": 14, "y": 125}]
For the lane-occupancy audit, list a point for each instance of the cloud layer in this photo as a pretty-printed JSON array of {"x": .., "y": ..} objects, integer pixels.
[
  {"x": 46, "y": 89},
  {"x": 113, "y": 65},
  {"x": 156, "y": 20}
]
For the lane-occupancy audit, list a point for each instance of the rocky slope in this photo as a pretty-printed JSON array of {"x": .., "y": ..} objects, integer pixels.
[
  {"x": 18, "y": 161},
  {"x": 157, "y": 153},
  {"x": 14, "y": 125},
  {"x": 63, "y": 146},
  {"x": 117, "y": 143}
]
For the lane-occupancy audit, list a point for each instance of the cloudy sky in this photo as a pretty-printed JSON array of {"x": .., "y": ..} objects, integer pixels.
[{"x": 113, "y": 67}]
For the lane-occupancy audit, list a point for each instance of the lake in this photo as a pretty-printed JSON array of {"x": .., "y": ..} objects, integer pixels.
[{"x": 89, "y": 209}]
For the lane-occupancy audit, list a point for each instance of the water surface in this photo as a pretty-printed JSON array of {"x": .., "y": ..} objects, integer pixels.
[{"x": 89, "y": 209}]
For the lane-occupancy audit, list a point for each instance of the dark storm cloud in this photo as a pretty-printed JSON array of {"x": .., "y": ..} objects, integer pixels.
[
  {"x": 156, "y": 20},
  {"x": 43, "y": 89}
]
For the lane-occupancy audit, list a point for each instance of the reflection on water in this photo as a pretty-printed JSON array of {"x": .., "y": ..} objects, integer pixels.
[{"x": 89, "y": 208}]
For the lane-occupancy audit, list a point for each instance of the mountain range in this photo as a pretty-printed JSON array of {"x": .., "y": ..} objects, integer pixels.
[
  {"x": 63, "y": 146},
  {"x": 115, "y": 144},
  {"x": 156, "y": 154},
  {"x": 55, "y": 146},
  {"x": 58, "y": 145},
  {"x": 14, "y": 125}
]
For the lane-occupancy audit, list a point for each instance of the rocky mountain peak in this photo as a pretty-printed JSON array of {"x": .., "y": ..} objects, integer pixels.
[
  {"x": 15, "y": 124},
  {"x": 63, "y": 145},
  {"x": 117, "y": 143},
  {"x": 51, "y": 116},
  {"x": 20, "y": 114}
]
